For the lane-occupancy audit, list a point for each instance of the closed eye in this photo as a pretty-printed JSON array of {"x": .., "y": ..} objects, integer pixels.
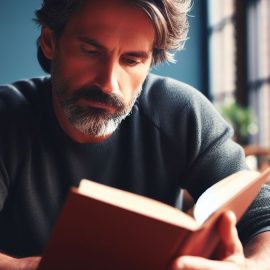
[
  {"x": 135, "y": 58},
  {"x": 131, "y": 61},
  {"x": 89, "y": 51}
]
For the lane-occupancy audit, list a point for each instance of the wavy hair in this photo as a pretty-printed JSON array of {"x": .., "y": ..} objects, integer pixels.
[{"x": 169, "y": 17}]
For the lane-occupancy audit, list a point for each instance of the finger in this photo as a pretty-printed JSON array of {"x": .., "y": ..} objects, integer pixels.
[
  {"x": 29, "y": 263},
  {"x": 229, "y": 235},
  {"x": 198, "y": 263}
]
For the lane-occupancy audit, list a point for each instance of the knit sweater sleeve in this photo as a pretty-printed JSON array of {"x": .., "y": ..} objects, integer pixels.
[
  {"x": 257, "y": 218},
  {"x": 206, "y": 152},
  {"x": 205, "y": 140}
]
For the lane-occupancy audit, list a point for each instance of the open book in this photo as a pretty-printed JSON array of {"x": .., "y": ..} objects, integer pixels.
[{"x": 101, "y": 227}]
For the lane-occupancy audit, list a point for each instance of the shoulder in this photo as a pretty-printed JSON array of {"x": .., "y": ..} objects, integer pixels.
[
  {"x": 22, "y": 104},
  {"x": 170, "y": 90},
  {"x": 22, "y": 94},
  {"x": 162, "y": 94},
  {"x": 175, "y": 107}
]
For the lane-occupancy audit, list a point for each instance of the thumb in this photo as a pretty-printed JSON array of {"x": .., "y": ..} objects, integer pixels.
[{"x": 230, "y": 242}]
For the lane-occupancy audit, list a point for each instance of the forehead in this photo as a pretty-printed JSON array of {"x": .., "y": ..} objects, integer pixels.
[{"x": 112, "y": 18}]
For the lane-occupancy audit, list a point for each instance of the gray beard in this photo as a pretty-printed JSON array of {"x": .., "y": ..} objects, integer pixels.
[{"x": 95, "y": 122}]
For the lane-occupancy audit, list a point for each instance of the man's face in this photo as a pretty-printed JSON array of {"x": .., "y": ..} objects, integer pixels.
[{"x": 99, "y": 64}]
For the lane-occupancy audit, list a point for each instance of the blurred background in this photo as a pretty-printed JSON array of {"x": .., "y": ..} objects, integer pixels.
[{"x": 227, "y": 58}]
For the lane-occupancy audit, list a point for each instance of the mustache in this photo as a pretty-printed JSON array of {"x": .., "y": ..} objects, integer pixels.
[{"x": 94, "y": 93}]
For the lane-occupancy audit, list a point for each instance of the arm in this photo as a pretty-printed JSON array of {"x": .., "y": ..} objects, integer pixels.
[
  {"x": 10, "y": 263},
  {"x": 258, "y": 250},
  {"x": 231, "y": 254}
]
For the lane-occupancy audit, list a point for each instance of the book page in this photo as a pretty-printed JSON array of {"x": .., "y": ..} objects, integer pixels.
[
  {"x": 234, "y": 193},
  {"x": 137, "y": 203}
]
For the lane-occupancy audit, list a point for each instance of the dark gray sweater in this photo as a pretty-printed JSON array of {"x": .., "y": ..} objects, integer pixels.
[{"x": 173, "y": 139}]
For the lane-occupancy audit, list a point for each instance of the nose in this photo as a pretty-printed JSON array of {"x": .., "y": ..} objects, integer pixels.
[{"x": 107, "y": 78}]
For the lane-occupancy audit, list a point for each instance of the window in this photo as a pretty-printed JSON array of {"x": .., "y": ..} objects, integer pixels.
[
  {"x": 222, "y": 48},
  {"x": 258, "y": 14},
  {"x": 239, "y": 52}
]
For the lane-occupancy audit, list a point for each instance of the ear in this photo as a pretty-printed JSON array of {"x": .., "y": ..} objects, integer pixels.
[{"x": 47, "y": 42}]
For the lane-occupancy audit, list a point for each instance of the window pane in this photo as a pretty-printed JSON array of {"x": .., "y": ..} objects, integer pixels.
[
  {"x": 219, "y": 10},
  {"x": 259, "y": 67},
  {"x": 222, "y": 49}
]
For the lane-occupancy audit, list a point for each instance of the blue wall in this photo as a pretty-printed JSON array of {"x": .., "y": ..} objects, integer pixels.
[
  {"x": 188, "y": 67},
  {"x": 18, "y": 34}
]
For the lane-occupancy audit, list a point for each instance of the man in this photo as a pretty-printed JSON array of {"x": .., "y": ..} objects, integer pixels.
[{"x": 102, "y": 116}]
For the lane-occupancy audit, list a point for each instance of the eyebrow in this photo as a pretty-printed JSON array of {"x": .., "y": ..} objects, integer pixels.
[
  {"x": 92, "y": 42},
  {"x": 139, "y": 54}
]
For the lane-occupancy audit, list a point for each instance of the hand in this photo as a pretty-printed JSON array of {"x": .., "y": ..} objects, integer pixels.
[{"x": 229, "y": 254}]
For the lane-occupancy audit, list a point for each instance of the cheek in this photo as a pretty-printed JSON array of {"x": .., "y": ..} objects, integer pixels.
[
  {"x": 73, "y": 68},
  {"x": 132, "y": 81}
]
